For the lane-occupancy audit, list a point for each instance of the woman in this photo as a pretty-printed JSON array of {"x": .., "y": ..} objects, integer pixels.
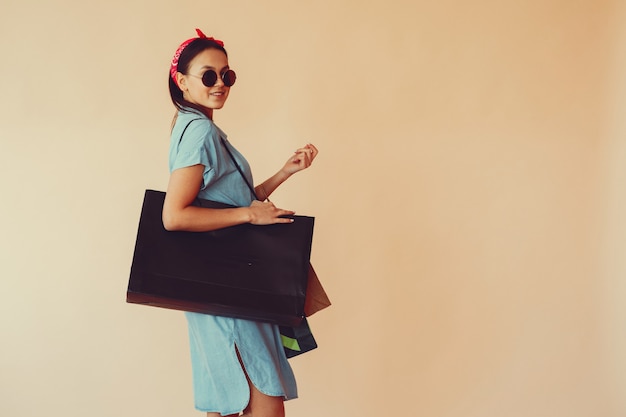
[{"x": 237, "y": 364}]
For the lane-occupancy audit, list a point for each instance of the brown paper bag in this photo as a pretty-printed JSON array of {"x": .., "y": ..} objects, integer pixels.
[{"x": 316, "y": 298}]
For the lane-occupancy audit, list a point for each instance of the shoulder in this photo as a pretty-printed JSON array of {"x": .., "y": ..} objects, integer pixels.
[
  {"x": 194, "y": 128},
  {"x": 186, "y": 121}
]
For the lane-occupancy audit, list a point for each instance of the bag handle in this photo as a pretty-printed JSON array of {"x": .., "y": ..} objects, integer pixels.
[
  {"x": 239, "y": 169},
  {"x": 229, "y": 154}
]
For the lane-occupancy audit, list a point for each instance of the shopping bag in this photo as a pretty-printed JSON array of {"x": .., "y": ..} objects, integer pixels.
[
  {"x": 316, "y": 297},
  {"x": 251, "y": 272},
  {"x": 297, "y": 339}
]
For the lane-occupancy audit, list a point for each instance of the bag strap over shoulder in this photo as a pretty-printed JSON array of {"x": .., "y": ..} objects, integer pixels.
[
  {"x": 229, "y": 154},
  {"x": 185, "y": 129},
  {"x": 239, "y": 169}
]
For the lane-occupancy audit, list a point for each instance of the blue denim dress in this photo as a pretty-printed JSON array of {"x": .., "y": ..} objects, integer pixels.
[{"x": 219, "y": 381}]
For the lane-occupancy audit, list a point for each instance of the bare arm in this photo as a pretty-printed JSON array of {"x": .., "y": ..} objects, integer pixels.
[
  {"x": 179, "y": 214},
  {"x": 302, "y": 159}
]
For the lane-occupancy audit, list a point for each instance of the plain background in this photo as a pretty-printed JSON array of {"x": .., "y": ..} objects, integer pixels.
[{"x": 469, "y": 199}]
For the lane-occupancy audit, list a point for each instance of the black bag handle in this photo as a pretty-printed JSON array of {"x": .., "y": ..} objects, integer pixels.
[
  {"x": 229, "y": 154},
  {"x": 239, "y": 169}
]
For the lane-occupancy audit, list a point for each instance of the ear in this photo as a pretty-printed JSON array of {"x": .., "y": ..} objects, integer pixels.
[{"x": 181, "y": 80}]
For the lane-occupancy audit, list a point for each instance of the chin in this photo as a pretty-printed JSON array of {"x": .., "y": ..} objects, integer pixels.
[{"x": 216, "y": 105}]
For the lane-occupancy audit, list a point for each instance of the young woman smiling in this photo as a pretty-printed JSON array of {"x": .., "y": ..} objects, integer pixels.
[{"x": 238, "y": 365}]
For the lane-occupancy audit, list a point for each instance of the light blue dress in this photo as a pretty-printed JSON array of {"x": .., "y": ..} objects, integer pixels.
[{"x": 219, "y": 382}]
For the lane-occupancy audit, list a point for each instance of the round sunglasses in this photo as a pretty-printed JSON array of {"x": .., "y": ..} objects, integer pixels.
[{"x": 209, "y": 78}]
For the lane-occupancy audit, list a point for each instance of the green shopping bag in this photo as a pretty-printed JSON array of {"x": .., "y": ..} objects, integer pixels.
[{"x": 297, "y": 340}]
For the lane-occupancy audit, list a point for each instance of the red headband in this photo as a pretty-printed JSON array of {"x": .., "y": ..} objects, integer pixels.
[{"x": 181, "y": 48}]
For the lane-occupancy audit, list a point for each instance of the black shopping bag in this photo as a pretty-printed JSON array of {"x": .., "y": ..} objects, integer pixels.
[
  {"x": 245, "y": 271},
  {"x": 298, "y": 339}
]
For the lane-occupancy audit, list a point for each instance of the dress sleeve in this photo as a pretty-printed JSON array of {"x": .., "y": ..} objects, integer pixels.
[{"x": 198, "y": 147}]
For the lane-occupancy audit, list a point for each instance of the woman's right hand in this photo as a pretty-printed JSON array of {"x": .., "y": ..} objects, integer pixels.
[{"x": 263, "y": 213}]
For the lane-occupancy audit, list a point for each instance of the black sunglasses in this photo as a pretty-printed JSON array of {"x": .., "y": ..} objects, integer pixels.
[{"x": 209, "y": 78}]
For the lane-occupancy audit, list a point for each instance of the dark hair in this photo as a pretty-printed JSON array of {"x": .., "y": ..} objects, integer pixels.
[{"x": 189, "y": 53}]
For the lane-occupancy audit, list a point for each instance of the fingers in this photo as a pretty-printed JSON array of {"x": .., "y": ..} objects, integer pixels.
[
  {"x": 313, "y": 150},
  {"x": 264, "y": 213},
  {"x": 283, "y": 212},
  {"x": 308, "y": 150},
  {"x": 283, "y": 220},
  {"x": 305, "y": 155}
]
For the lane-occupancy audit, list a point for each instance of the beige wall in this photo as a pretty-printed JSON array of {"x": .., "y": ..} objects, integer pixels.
[{"x": 469, "y": 197}]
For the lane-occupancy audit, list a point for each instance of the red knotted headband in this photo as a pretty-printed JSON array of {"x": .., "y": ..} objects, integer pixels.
[{"x": 181, "y": 48}]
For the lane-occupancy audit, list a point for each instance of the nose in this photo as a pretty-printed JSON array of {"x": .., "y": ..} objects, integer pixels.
[{"x": 219, "y": 82}]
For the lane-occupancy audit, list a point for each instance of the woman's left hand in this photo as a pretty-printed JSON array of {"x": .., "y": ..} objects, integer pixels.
[{"x": 302, "y": 159}]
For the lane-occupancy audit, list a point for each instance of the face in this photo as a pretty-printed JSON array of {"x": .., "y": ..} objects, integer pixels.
[{"x": 194, "y": 91}]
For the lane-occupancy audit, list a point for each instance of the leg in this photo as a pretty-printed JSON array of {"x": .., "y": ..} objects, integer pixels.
[{"x": 262, "y": 405}]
